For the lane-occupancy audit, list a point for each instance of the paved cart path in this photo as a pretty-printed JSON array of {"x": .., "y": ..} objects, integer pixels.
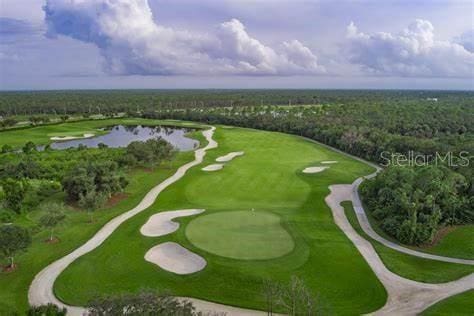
[{"x": 404, "y": 296}]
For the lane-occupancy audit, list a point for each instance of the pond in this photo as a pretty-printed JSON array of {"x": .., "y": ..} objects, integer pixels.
[{"x": 121, "y": 136}]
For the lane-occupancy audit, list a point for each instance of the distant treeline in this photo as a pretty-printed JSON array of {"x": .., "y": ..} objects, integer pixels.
[{"x": 106, "y": 101}]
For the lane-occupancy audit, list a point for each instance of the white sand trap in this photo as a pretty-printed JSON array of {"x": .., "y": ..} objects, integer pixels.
[
  {"x": 230, "y": 156},
  {"x": 172, "y": 257},
  {"x": 329, "y": 162},
  {"x": 162, "y": 223},
  {"x": 71, "y": 137},
  {"x": 214, "y": 167},
  {"x": 314, "y": 169}
]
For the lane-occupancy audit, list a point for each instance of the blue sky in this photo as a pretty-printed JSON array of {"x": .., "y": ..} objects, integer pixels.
[{"x": 100, "y": 44}]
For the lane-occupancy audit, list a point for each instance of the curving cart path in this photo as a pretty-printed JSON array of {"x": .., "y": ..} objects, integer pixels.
[
  {"x": 364, "y": 221},
  {"x": 404, "y": 296},
  {"x": 367, "y": 228},
  {"x": 41, "y": 289}
]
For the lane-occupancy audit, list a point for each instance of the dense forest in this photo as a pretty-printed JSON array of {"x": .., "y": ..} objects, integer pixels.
[{"x": 437, "y": 127}]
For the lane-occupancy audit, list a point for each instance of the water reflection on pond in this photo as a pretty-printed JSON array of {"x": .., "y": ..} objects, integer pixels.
[{"x": 121, "y": 136}]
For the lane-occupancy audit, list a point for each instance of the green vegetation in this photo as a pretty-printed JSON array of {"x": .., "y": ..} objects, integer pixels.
[
  {"x": 44, "y": 196},
  {"x": 245, "y": 235},
  {"x": 267, "y": 178},
  {"x": 74, "y": 231},
  {"x": 457, "y": 243},
  {"x": 461, "y": 304},
  {"x": 408, "y": 266},
  {"x": 41, "y": 135},
  {"x": 412, "y": 203},
  {"x": 13, "y": 239},
  {"x": 144, "y": 303}
]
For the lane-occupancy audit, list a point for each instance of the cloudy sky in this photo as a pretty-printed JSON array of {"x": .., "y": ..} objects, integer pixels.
[{"x": 96, "y": 44}]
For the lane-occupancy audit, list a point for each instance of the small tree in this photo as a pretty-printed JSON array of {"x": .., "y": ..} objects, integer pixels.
[
  {"x": 13, "y": 239},
  {"x": 271, "y": 292},
  {"x": 52, "y": 218},
  {"x": 29, "y": 147},
  {"x": 14, "y": 192},
  {"x": 91, "y": 201},
  {"x": 295, "y": 298}
]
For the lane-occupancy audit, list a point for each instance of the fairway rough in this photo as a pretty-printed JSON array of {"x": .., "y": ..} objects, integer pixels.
[
  {"x": 162, "y": 223},
  {"x": 62, "y": 138},
  {"x": 41, "y": 289},
  {"x": 214, "y": 167},
  {"x": 173, "y": 257},
  {"x": 230, "y": 156},
  {"x": 314, "y": 169}
]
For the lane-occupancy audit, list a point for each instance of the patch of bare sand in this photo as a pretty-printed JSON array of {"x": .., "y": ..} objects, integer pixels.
[
  {"x": 162, "y": 223},
  {"x": 63, "y": 138},
  {"x": 214, "y": 167},
  {"x": 173, "y": 257},
  {"x": 230, "y": 156},
  {"x": 314, "y": 169}
]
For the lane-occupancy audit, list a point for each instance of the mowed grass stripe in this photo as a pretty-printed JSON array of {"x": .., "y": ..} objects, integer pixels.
[{"x": 268, "y": 178}]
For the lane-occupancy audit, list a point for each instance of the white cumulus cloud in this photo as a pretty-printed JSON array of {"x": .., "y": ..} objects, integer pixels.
[
  {"x": 412, "y": 52},
  {"x": 131, "y": 42}
]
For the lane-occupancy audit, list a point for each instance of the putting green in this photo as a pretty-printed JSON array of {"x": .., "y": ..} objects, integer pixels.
[{"x": 246, "y": 235}]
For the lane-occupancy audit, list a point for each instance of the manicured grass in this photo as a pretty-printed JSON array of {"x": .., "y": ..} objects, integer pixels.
[
  {"x": 268, "y": 178},
  {"x": 461, "y": 304},
  {"x": 244, "y": 235},
  {"x": 457, "y": 243},
  {"x": 411, "y": 267},
  {"x": 73, "y": 232},
  {"x": 42, "y": 134}
]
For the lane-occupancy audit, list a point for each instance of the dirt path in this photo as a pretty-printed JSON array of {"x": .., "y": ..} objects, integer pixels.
[{"x": 404, "y": 296}]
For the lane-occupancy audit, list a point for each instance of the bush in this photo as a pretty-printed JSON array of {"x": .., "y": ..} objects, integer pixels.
[
  {"x": 47, "y": 310},
  {"x": 6, "y": 216}
]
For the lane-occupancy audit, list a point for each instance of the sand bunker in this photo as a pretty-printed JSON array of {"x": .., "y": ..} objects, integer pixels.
[
  {"x": 229, "y": 156},
  {"x": 162, "y": 223},
  {"x": 72, "y": 137},
  {"x": 314, "y": 169},
  {"x": 174, "y": 258},
  {"x": 329, "y": 162},
  {"x": 214, "y": 167}
]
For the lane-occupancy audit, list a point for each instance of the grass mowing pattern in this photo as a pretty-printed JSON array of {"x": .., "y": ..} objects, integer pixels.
[
  {"x": 245, "y": 235},
  {"x": 411, "y": 267},
  {"x": 461, "y": 304},
  {"x": 268, "y": 178}
]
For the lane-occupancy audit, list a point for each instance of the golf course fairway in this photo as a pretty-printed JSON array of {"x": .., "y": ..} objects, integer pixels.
[{"x": 268, "y": 179}]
